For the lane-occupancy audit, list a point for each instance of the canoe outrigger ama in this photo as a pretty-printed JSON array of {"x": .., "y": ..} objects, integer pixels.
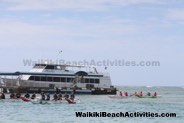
[{"x": 51, "y": 78}]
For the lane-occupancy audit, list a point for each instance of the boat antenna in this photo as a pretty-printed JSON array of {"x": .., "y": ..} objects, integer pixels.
[
  {"x": 59, "y": 53},
  {"x": 58, "y": 56}
]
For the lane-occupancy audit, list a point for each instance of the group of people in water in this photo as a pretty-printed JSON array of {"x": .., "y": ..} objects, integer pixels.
[
  {"x": 148, "y": 94},
  {"x": 137, "y": 94},
  {"x": 57, "y": 97},
  {"x": 44, "y": 96}
]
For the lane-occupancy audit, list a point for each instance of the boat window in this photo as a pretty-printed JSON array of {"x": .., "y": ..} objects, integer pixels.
[
  {"x": 91, "y": 80},
  {"x": 31, "y": 78},
  {"x": 82, "y": 80},
  {"x": 49, "y": 67},
  {"x": 69, "y": 79},
  {"x": 37, "y": 78},
  {"x": 58, "y": 67},
  {"x": 86, "y": 80},
  {"x": 56, "y": 79},
  {"x": 63, "y": 79},
  {"x": 39, "y": 66},
  {"x": 97, "y": 81},
  {"x": 49, "y": 79},
  {"x": 43, "y": 78}
]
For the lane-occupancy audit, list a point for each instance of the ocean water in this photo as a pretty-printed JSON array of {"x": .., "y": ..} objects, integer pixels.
[{"x": 172, "y": 101}]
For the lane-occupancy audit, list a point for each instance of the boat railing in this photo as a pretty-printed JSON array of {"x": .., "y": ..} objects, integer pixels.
[{"x": 104, "y": 73}]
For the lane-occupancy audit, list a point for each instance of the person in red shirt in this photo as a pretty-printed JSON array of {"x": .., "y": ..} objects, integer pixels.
[
  {"x": 120, "y": 93},
  {"x": 135, "y": 94}
]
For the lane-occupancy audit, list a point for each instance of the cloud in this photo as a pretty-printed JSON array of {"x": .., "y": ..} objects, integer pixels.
[
  {"x": 67, "y": 31},
  {"x": 95, "y": 5},
  {"x": 67, "y": 26}
]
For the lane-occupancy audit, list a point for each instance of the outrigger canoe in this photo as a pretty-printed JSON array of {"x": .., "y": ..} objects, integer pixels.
[
  {"x": 148, "y": 96},
  {"x": 117, "y": 97},
  {"x": 10, "y": 100},
  {"x": 40, "y": 101}
]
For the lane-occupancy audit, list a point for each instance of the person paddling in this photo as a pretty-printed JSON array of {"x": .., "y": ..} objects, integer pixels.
[
  {"x": 18, "y": 95},
  {"x": 33, "y": 96},
  {"x": 120, "y": 93},
  {"x": 148, "y": 94},
  {"x": 43, "y": 96},
  {"x": 141, "y": 94},
  {"x": 135, "y": 94},
  {"x": 48, "y": 97},
  {"x": 126, "y": 94},
  {"x": 155, "y": 94},
  {"x": 66, "y": 96},
  {"x": 72, "y": 97},
  {"x": 12, "y": 96},
  {"x": 60, "y": 96},
  {"x": 27, "y": 95},
  {"x": 55, "y": 97},
  {"x": 2, "y": 96}
]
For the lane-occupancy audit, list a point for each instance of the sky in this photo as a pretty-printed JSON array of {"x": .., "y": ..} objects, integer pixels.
[{"x": 129, "y": 30}]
